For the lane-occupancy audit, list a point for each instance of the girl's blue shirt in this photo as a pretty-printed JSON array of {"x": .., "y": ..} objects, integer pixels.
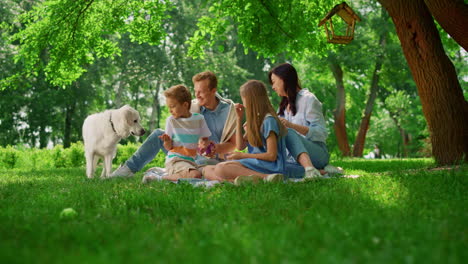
[{"x": 267, "y": 167}]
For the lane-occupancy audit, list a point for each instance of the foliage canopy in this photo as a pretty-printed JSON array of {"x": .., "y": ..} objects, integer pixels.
[
  {"x": 295, "y": 27},
  {"x": 61, "y": 37}
]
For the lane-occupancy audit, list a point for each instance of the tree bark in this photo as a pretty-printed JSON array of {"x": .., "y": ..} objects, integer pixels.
[
  {"x": 452, "y": 16},
  {"x": 340, "y": 111},
  {"x": 70, "y": 112},
  {"x": 364, "y": 126},
  {"x": 404, "y": 136},
  {"x": 42, "y": 136},
  {"x": 155, "y": 109},
  {"x": 119, "y": 92},
  {"x": 443, "y": 103},
  {"x": 121, "y": 87}
]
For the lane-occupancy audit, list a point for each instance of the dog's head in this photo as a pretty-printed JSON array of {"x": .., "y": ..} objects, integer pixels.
[{"x": 127, "y": 121}]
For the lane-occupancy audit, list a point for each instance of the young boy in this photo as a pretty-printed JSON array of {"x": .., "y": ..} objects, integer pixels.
[{"x": 184, "y": 130}]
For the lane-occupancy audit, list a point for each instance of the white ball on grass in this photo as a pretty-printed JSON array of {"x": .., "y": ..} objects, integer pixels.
[{"x": 68, "y": 213}]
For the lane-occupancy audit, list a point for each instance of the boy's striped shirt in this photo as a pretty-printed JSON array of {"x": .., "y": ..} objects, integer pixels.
[{"x": 185, "y": 133}]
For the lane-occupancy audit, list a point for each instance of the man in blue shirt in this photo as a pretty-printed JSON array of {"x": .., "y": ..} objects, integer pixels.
[{"x": 220, "y": 116}]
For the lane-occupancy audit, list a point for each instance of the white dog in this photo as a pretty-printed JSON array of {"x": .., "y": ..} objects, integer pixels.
[{"x": 102, "y": 132}]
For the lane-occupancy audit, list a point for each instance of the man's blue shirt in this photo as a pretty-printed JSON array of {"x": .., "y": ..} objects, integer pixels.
[{"x": 215, "y": 119}]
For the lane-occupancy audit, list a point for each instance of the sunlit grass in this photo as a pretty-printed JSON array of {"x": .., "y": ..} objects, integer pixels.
[{"x": 395, "y": 211}]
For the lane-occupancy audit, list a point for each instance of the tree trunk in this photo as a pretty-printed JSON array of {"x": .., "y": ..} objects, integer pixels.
[
  {"x": 155, "y": 109},
  {"x": 119, "y": 92},
  {"x": 404, "y": 136},
  {"x": 70, "y": 112},
  {"x": 42, "y": 137},
  {"x": 340, "y": 110},
  {"x": 364, "y": 126},
  {"x": 120, "y": 88},
  {"x": 452, "y": 16},
  {"x": 443, "y": 103}
]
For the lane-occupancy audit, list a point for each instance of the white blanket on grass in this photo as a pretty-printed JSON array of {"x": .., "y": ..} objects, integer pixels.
[{"x": 161, "y": 172}]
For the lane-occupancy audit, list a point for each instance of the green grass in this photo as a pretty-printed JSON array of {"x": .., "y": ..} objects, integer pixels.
[{"x": 398, "y": 211}]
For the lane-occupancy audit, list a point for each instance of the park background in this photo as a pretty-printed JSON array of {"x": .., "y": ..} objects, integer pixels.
[
  {"x": 62, "y": 60},
  {"x": 57, "y": 71}
]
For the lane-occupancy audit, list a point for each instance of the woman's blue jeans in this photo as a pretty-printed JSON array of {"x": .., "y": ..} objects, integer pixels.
[{"x": 297, "y": 144}]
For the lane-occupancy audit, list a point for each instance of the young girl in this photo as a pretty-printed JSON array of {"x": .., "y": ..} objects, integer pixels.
[{"x": 265, "y": 138}]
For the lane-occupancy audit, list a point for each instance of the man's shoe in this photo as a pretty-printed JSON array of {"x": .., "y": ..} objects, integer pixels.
[
  {"x": 332, "y": 170},
  {"x": 276, "y": 177},
  {"x": 122, "y": 171}
]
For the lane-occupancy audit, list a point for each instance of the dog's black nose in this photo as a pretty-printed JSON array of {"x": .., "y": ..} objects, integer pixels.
[{"x": 142, "y": 132}]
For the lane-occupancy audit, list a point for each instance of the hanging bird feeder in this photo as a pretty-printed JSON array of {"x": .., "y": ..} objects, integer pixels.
[{"x": 348, "y": 16}]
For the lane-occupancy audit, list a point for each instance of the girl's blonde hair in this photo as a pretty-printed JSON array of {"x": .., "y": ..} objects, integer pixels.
[{"x": 257, "y": 106}]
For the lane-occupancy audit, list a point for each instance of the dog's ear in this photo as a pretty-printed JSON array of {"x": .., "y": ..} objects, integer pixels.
[
  {"x": 131, "y": 115},
  {"x": 119, "y": 118}
]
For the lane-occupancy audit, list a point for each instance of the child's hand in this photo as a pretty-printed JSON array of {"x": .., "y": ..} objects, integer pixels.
[
  {"x": 239, "y": 110},
  {"x": 167, "y": 141},
  {"x": 207, "y": 148},
  {"x": 165, "y": 137},
  {"x": 202, "y": 144},
  {"x": 234, "y": 155}
]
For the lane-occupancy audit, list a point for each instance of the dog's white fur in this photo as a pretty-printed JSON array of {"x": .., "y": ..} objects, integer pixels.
[{"x": 100, "y": 139}]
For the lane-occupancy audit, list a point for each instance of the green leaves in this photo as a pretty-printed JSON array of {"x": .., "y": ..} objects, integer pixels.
[
  {"x": 62, "y": 37},
  {"x": 210, "y": 30},
  {"x": 106, "y": 48},
  {"x": 267, "y": 27}
]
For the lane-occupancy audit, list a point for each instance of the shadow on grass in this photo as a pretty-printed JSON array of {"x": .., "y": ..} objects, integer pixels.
[{"x": 399, "y": 217}]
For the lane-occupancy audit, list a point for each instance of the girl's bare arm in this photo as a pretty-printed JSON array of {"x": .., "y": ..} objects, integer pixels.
[{"x": 270, "y": 155}]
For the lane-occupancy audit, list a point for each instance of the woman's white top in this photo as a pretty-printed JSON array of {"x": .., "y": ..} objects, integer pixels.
[{"x": 309, "y": 114}]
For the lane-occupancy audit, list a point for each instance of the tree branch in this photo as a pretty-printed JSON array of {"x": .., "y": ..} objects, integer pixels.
[
  {"x": 275, "y": 19},
  {"x": 78, "y": 18}
]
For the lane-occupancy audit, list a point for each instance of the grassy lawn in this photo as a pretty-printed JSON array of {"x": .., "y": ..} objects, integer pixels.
[{"x": 397, "y": 211}]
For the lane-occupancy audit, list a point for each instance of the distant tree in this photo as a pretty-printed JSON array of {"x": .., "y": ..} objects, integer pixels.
[
  {"x": 100, "y": 63},
  {"x": 73, "y": 34}
]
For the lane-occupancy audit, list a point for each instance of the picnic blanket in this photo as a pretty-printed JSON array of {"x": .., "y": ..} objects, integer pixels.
[{"x": 161, "y": 172}]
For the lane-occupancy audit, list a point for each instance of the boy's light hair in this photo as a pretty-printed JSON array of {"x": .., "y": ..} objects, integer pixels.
[
  {"x": 206, "y": 75},
  {"x": 257, "y": 105},
  {"x": 180, "y": 93}
]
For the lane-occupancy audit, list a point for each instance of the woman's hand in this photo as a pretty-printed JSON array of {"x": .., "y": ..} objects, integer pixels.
[
  {"x": 239, "y": 110},
  {"x": 285, "y": 122},
  {"x": 235, "y": 155}
]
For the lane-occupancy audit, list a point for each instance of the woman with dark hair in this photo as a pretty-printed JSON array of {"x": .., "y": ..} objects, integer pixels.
[{"x": 301, "y": 112}]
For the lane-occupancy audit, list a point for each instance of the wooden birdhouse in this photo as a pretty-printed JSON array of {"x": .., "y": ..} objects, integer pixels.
[{"x": 349, "y": 17}]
